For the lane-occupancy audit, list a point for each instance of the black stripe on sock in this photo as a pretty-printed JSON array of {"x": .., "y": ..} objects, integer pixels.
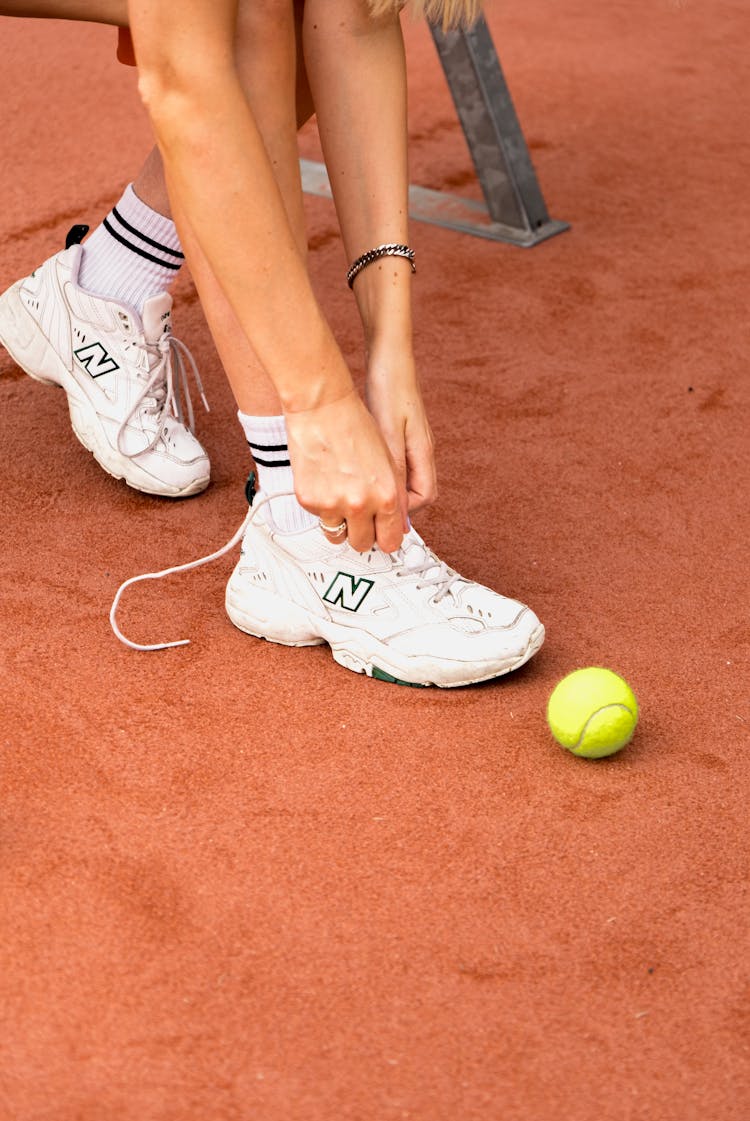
[
  {"x": 144, "y": 237},
  {"x": 268, "y": 447},
  {"x": 272, "y": 462},
  {"x": 138, "y": 250}
]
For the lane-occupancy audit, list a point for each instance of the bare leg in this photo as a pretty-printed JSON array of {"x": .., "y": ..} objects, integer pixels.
[
  {"x": 358, "y": 71},
  {"x": 266, "y": 61},
  {"x": 266, "y": 51},
  {"x": 150, "y": 186}
]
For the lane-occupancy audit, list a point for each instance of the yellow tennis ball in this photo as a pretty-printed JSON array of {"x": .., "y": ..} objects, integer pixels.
[{"x": 592, "y": 712}]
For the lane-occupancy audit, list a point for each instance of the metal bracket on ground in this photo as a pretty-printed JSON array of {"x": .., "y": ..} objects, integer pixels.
[{"x": 514, "y": 210}]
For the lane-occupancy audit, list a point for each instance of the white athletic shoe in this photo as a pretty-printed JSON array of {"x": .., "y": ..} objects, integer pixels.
[
  {"x": 124, "y": 375},
  {"x": 403, "y": 617}
]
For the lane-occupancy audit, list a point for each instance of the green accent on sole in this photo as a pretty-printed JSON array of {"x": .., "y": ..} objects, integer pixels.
[{"x": 381, "y": 675}]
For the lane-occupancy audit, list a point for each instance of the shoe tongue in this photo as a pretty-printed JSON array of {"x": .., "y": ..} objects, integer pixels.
[
  {"x": 157, "y": 317},
  {"x": 414, "y": 552}
]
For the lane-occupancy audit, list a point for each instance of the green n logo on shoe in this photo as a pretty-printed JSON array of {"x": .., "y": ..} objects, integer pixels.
[
  {"x": 347, "y": 591},
  {"x": 95, "y": 360}
]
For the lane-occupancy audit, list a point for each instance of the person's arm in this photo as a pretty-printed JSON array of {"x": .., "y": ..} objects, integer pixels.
[
  {"x": 218, "y": 172},
  {"x": 357, "y": 73}
]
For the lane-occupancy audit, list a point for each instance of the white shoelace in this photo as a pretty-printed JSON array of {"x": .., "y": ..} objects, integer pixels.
[
  {"x": 167, "y": 390},
  {"x": 234, "y": 540},
  {"x": 434, "y": 573}
]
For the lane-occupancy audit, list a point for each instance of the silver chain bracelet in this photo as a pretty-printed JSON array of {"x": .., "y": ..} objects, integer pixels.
[{"x": 390, "y": 250}]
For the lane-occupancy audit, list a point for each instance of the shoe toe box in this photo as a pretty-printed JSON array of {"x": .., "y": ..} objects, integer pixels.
[{"x": 470, "y": 647}]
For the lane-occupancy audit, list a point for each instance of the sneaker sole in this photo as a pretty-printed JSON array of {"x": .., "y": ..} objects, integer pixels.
[
  {"x": 277, "y": 620},
  {"x": 31, "y": 350}
]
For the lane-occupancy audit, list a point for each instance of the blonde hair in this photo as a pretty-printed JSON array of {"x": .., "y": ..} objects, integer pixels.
[{"x": 449, "y": 13}]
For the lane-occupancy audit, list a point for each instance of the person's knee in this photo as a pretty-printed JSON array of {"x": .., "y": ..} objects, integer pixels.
[{"x": 174, "y": 83}]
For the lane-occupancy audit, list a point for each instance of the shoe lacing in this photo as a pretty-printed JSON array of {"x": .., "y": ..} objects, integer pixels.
[
  {"x": 433, "y": 572},
  {"x": 167, "y": 385}
]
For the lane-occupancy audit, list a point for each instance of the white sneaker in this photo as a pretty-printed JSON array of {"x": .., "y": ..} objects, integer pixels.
[
  {"x": 124, "y": 375},
  {"x": 403, "y": 617}
]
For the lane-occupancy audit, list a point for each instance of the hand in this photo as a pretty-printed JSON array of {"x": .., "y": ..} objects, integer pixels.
[
  {"x": 395, "y": 400},
  {"x": 343, "y": 471}
]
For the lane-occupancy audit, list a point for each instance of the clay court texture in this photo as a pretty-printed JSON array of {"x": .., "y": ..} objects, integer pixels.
[{"x": 239, "y": 882}]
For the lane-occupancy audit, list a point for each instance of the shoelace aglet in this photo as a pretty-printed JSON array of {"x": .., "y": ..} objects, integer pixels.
[{"x": 206, "y": 405}]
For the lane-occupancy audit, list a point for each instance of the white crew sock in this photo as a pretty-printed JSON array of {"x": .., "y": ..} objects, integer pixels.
[
  {"x": 133, "y": 255},
  {"x": 266, "y": 436}
]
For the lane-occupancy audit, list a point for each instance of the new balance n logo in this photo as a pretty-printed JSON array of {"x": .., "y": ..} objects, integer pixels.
[
  {"x": 94, "y": 358},
  {"x": 346, "y": 591}
]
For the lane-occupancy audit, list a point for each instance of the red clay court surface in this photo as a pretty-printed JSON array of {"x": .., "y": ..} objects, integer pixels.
[{"x": 242, "y": 883}]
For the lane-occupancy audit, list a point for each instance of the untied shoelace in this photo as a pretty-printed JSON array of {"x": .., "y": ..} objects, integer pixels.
[
  {"x": 234, "y": 540},
  {"x": 434, "y": 573}
]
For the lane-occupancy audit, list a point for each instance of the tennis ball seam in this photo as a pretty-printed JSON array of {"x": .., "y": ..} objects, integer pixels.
[{"x": 593, "y": 715}]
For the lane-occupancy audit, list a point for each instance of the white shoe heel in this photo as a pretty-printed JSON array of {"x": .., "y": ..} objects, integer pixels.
[
  {"x": 265, "y": 615},
  {"x": 23, "y": 340}
]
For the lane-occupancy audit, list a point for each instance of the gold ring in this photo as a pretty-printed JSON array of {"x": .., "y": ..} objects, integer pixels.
[{"x": 334, "y": 530}]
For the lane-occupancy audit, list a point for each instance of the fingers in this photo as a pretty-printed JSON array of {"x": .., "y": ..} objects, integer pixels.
[
  {"x": 421, "y": 475},
  {"x": 382, "y": 518},
  {"x": 390, "y": 529},
  {"x": 362, "y": 527},
  {"x": 335, "y": 531},
  {"x": 345, "y": 475},
  {"x": 415, "y": 470},
  {"x": 382, "y": 526},
  {"x": 407, "y": 433},
  {"x": 403, "y": 500},
  {"x": 420, "y": 495}
]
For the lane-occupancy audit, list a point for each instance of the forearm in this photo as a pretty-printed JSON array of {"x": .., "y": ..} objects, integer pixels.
[
  {"x": 357, "y": 73},
  {"x": 222, "y": 180}
]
